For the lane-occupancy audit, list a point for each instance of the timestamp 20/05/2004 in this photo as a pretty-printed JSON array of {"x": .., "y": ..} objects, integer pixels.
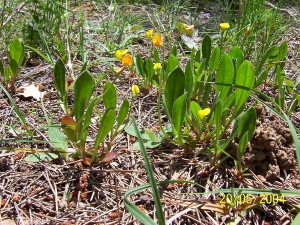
[{"x": 263, "y": 198}]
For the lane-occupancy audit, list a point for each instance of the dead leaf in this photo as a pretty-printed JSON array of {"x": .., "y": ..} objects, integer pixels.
[
  {"x": 33, "y": 90},
  {"x": 109, "y": 156}
]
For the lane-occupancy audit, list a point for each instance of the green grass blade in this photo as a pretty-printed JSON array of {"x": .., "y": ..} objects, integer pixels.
[
  {"x": 156, "y": 196},
  {"x": 16, "y": 110}
]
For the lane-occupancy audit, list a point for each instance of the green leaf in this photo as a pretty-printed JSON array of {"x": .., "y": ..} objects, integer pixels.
[
  {"x": 189, "y": 80},
  {"x": 129, "y": 129},
  {"x": 206, "y": 49},
  {"x": 87, "y": 121},
  {"x": 59, "y": 78},
  {"x": 107, "y": 123},
  {"x": 148, "y": 68},
  {"x": 151, "y": 135},
  {"x": 262, "y": 62},
  {"x": 195, "y": 107},
  {"x": 296, "y": 220},
  {"x": 174, "y": 88},
  {"x": 237, "y": 56},
  {"x": 178, "y": 113},
  {"x": 282, "y": 54},
  {"x": 172, "y": 64},
  {"x": 40, "y": 157},
  {"x": 243, "y": 141},
  {"x": 244, "y": 78},
  {"x": 224, "y": 77},
  {"x": 16, "y": 52},
  {"x": 214, "y": 60},
  {"x": 155, "y": 191},
  {"x": 109, "y": 95},
  {"x": 14, "y": 68},
  {"x": 174, "y": 51},
  {"x": 246, "y": 122},
  {"x": 123, "y": 112},
  {"x": 156, "y": 56},
  {"x": 140, "y": 65},
  {"x": 83, "y": 89},
  {"x": 57, "y": 139}
]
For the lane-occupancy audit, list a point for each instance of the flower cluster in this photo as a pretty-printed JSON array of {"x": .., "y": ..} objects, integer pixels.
[{"x": 157, "y": 39}]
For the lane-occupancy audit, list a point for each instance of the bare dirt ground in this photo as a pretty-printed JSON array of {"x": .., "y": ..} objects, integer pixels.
[{"x": 60, "y": 192}]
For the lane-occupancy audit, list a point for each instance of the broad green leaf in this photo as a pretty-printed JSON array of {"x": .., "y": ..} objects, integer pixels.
[
  {"x": 224, "y": 77},
  {"x": 83, "y": 89},
  {"x": 174, "y": 51},
  {"x": 69, "y": 127},
  {"x": 246, "y": 122},
  {"x": 59, "y": 78},
  {"x": 244, "y": 78},
  {"x": 129, "y": 129},
  {"x": 206, "y": 49},
  {"x": 14, "y": 67},
  {"x": 178, "y": 113},
  {"x": 87, "y": 121},
  {"x": 57, "y": 139},
  {"x": 172, "y": 64},
  {"x": 264, "y": 59},
  {"x": 262, "y": 77},
  {"x": 40, "y": 157},
  {"x": 107, "y": 123},
  {"x": 16, "y": 52},
  {"x": 195, "y": 107},
  {"x": 151, "y": 135},
  {"x": 296, "y": 220},
  {"x": 243, "y": 141},
  {"x": 215, "y": 59},
  {"x": 174, "y": 88},
  {"x": 282, "y": 54},
  {"x": 140, "y": 65},
  {"x": 148, "y": 69},
  {"x": 123, "y": 112},
  {"x": 207, "y": 91},
  {"x": 156, "y": 55},
  {"x": 189, "y": 80},
  {"x": 237, "y": 56},
  {"x": 109, "y": 95}
]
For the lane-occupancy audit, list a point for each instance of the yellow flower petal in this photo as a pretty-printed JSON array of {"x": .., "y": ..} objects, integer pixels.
[
  {"x": 203, "y": 113},
  {"x": 120, "y": 53},
  {"x": 127, "y": 60},
  {"x": 149, "y": 33},
  {"x": 157, "y": 66},
  {"x": 224, "y": 26},
  {"x": 157, "y": 40},
  {"x": 135, "y": 89}
]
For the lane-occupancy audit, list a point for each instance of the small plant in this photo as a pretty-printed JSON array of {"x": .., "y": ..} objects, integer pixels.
[
  {"x": 77, "y": 118},
  {"x": 15, "y": 59}
]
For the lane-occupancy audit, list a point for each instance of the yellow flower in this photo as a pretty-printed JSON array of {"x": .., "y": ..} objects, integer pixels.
[
  {"x": 157, "y": 66},
  {"x": 135, "y": 89},
  {"x": 224, "y": 26},
  {"x": 185, "y": 29},
  {"x": 149, "y": 33},
  {"x": 120, "y": 53},
  {"x": 157, "y": 40},
  {"x": 127, "y": 60},
  {"x": 203, "y": 113}
]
